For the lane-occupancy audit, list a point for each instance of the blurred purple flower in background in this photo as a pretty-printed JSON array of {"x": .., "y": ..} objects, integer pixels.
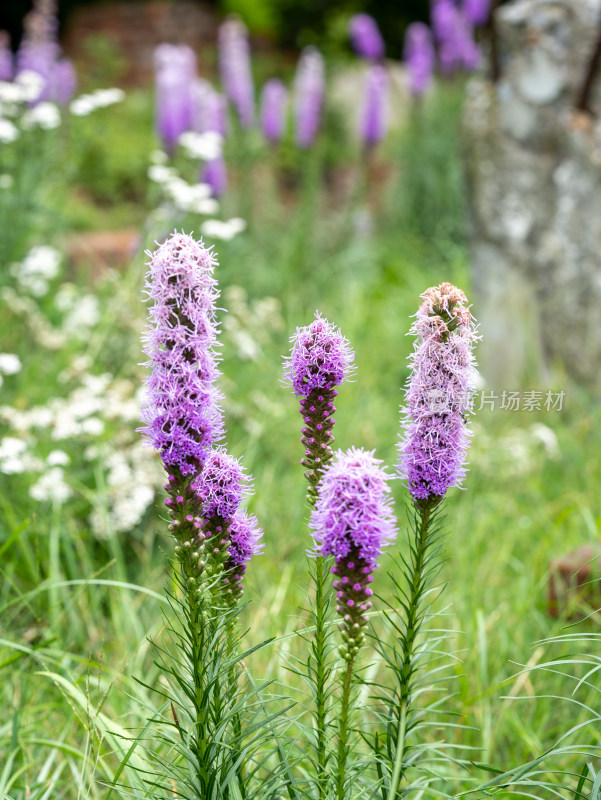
[
  {"x": 309, "y": 89},
  {"x": 63, "y": 82},
  {"x": 210, "y": 116},
  {"x": 477, "y": 11},
  {"x": 366, "y": 37},
  {"x": 214, "y": 174},
  {"x": 235, "y": 68},
  {"x": 175, "y": 67},
  {"x": 40, "y": 53},
  {"x": 209, "y": 108},
  {"x": 373, "y": 120},
  {"x": 273, "y": 110},
  {"x": 419, "y": 57},
  {"x": 443, "y": 19},
  {"x": 6, "y": 58},
  {"x": 454, "y": 33}
]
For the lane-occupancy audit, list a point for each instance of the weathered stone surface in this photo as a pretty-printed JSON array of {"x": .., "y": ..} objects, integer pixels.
[{"x": 533, "y": 170}]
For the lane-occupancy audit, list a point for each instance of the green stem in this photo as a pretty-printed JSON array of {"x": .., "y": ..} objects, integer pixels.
[
  {"x": 320, "y": 674},
  {"x": 414, "y": 623},
  {"x": 343, "y": 730}
]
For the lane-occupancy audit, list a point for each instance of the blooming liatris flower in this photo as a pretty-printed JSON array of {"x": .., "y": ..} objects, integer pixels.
[
  {"x": 373, "y": 120},
  {"x": 182, "y": 416},
  {"x": 273, "y": 110},
  {"x": 419, "y": 57},
  {"x": 321, "y": 359},
  {"x": 366, "y": 37},
  {"x": 433, "y": 449},
  {"x": 235, "y": 68},
  {"x": 245, "y": 542},
  {"x": 352, "y": 521},
  {"x": 309, "y": 88},
  {"x": 220, "y": 485},
  {"x": 175, "y": 67},
  {"x": 477, "y": 11}
]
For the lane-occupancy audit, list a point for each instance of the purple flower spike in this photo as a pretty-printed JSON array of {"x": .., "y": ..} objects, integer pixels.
[
  {"x": 374, "y": 114},
  {"x": 273, "y": 110},
  {"x": 477, "y": 11},
  {"x": 433, "y": 449},
  {"x": 309, "y": 88},
  {"x": 6, "y": 58},
  {"x": 182, "y": 416},
  {"x": 321, "y": 358},
  {"x": 352, "y": 521},
  {"x": 419, "y": 57},
  {"x": 175, "y": 74},
  {"x": 235, "y": 68},
  {"x": 366, "y": 37},
  {"x": 443, "y": 19},
  {"x": 453, "y": 31},
  {"x": 220, "y": 485}
]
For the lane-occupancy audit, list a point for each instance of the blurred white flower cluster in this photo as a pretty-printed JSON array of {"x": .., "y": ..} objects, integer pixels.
[
  {"x": 180, "y": 197},
  {"x": 516, "y": 453},
  {"x": 14, "y": 112},
  {"x": 91, "y": 417},
  {"x": 86, "y": 103}
]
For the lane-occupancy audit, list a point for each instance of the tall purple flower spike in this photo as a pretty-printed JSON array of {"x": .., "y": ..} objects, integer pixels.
[
  {"x": 366, "y": 37},
  {"x": 235, "y": 68},
  {"x": 210, "y": 115},
  {"x": 175, "y": 67},
  {"x": 182, "y": 415},
  {"x": 477, "y": 11},
  {"x": 373, "y": 120},
  {"x": 273, "y": 110},
  {"x": 352, "y": 521},
  {"x": 220, "y": 485},
  {"x": 419, "y": 57},
  {"x": 433, "y": 449},
  {"x": 309, "y": 89},
  {"x": 321, "y": 359}
]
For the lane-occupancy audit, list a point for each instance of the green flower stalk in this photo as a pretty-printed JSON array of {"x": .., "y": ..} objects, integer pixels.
[
  {"x": 432, "y": 455},
  {"x": 352, "y": 521},
  {"x": 214, "y": 540},
  {"x": 321, "y": 359}
]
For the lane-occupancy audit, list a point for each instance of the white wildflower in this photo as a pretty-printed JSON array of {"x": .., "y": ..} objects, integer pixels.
[
  {"x": 216, "y": 229},
  {"x": 205, "y": 146},
  {"x": 6, "y": 181},
  {"x": 31, "y": 85},
  {"x": 12, "y": 451},
  {"x": 58, "y": 458},
  {"x": 159, "y": 157},
  {"x": 10, "y": 364},
  {"x": 51, "y": 486},
  {"x": 8, "y": 131},
  {"x": 44, "y": 115},
  {"x": 159, "y": 173}
]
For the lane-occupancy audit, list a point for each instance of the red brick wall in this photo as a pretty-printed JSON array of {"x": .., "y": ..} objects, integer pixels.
[{"x": 135, "y": 28}]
